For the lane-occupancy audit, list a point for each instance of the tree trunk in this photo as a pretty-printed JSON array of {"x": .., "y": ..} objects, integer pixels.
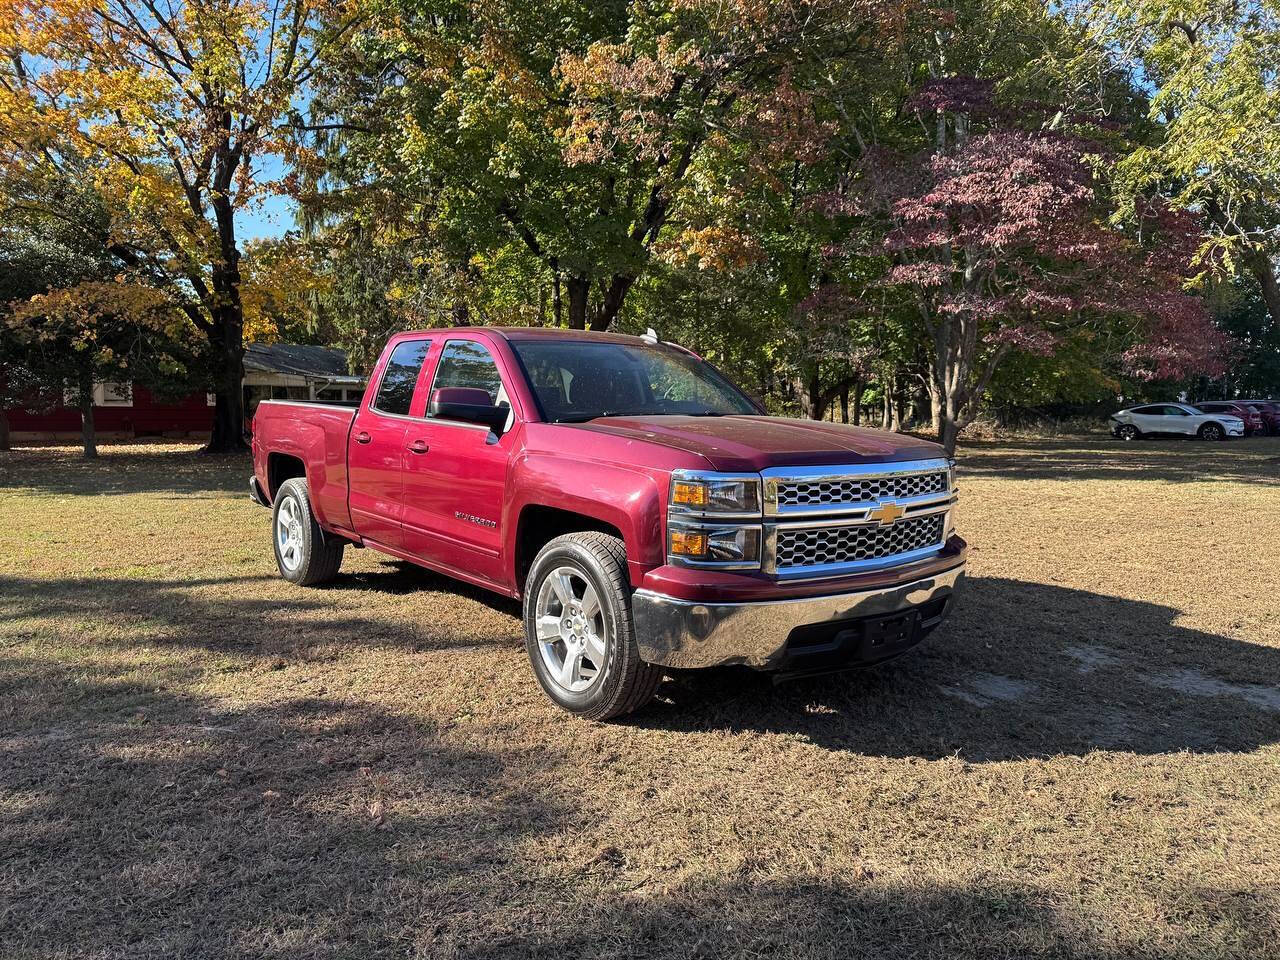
[
  {"x": 950, "y": 431},
  {"x": 579, "y": 291},
  {"x": 1264, "y": 272},
  {"x": 557, "y": 309},
  {"x": 844, "y": 404},
  {"x": 857, "y": 404},
  {"x": 87, "y": 436},
  {"x": 226, "y": 336},
  {"x": 4, "y": 429},
  {"x": 613, "y": 299}
]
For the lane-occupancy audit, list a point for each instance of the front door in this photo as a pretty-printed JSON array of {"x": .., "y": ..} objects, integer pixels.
[
  {"x": 455, "y": 473},
  {"x": 376, "y": 447},
  {"x": 1178, "y": 420}
]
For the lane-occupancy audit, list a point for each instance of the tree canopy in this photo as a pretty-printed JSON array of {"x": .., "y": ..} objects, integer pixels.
[{"x": 849, "y": 203}]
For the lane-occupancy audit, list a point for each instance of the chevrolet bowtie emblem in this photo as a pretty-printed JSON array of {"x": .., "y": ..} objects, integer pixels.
[{"x": 887, "y": 513}]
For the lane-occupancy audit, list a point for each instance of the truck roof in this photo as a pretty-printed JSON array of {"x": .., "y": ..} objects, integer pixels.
[{"x": 539, "y": 333}]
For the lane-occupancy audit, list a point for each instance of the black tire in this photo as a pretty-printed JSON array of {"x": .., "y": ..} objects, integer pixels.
[
  {"x": 1128, "y": 432},
  {"x": 1212, "y": 431},
  {"x": 626, "y": 683},
  {"x": 321, "y": 553}
]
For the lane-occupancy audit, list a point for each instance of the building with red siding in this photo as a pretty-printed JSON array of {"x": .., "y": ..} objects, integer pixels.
[{"x": 281, "y": 371}]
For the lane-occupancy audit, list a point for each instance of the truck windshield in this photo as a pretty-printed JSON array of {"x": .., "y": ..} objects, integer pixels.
[{"x": 579, "y": 380}]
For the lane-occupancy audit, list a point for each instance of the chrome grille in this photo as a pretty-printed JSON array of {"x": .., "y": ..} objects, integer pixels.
[
  {"x": 818, "y": 546},
  {"x": 847, "y": 490}
]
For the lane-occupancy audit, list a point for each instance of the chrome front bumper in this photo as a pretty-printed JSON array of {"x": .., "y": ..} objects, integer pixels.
[{"x": 685, "y": 634}]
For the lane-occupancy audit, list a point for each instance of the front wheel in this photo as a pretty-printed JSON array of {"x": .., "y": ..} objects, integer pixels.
[
  {"x": 578, "y": 629},
  {"x": 1128, "y": 432},
  {"x": 1211, "y": 431},
  {"x": 305, "y": 554}
]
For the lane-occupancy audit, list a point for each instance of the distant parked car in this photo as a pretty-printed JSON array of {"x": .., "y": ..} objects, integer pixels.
[
  {"x": 1270, "y": 411},
  {"x": 1253, "y": 420},
  {"x": 1178, "y": 419}
]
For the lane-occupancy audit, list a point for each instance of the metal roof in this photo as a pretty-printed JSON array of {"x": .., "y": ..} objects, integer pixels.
[{"x": 297, "y": 359}]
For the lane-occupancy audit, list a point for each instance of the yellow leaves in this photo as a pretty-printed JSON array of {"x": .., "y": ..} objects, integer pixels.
[
  {"x": 86, "y": 303},
  {"x": 279, "y": 282},
  {"x": 716, "y": 247}
]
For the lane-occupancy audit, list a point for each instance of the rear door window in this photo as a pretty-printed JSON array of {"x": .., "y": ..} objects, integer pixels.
[
  {"x": 395, "y": 392},
  {"x": 465, "y": 363}
]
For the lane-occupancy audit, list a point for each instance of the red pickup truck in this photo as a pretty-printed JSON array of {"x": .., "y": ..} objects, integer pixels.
[{"x": 645, "y": 510}]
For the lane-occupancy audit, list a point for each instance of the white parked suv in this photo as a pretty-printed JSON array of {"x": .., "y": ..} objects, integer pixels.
[{"x": 1174, "y": 418}]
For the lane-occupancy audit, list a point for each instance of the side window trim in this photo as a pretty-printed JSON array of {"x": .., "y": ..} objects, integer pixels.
[{"x": 373, "y": 401}]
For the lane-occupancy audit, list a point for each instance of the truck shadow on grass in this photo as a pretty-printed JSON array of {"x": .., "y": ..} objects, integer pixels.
[
  {"x": 142, "y": 822},
  {"x": 1021, "y": 670}
]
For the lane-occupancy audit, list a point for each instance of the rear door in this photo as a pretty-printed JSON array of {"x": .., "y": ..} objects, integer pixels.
[
  {"x": 455, "y": 474},
  {"x": 1150, "y": 419},
  {"x": 376, "y": 445}
]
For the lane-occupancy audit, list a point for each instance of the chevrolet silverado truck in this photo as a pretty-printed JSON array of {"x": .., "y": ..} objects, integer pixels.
[{"x": 646, "y": 512}]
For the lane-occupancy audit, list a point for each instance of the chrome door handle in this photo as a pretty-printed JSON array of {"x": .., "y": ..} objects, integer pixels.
[
  {"x": 419, "y": 446},
  {"x": 362, "y": 437}
]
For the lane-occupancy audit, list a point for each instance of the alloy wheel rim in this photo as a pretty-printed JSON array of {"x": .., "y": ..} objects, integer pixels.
[
  {"x": 573, "y": 635},
  {"x": 289, "y": 534}
]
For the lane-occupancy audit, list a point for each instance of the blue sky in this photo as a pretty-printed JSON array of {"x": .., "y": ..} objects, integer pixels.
[
  {"x": 274, "y": 216},
  {"x": 267, "y": 220}
]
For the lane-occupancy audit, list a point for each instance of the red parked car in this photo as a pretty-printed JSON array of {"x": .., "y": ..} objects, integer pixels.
[
  {"x": 1270, "y": 411},
  {"x": 1253, "y": 420},
  {"x": 644, "y": 509}
]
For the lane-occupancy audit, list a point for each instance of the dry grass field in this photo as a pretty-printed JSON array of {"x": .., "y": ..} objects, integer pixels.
[{"x": 200, "y": 760}]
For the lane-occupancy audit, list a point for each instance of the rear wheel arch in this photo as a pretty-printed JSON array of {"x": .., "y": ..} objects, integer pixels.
[{"x": 282, "y": 467}]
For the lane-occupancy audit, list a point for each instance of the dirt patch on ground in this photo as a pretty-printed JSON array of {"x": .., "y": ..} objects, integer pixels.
[{"x": 199, "y": 760}]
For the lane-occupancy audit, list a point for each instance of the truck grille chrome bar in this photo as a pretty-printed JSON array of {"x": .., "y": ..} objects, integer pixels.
[
  {"x": 829, "y": 521},
  {"x": 858, "y": 490}
]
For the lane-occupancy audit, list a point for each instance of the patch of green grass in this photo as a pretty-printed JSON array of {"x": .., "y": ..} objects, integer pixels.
[{"x": 199, "y": 760}]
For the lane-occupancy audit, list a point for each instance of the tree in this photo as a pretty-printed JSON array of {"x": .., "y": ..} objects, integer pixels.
[
  {"x": 569, "y": 128},
  {"x": 1001, "y": 242},
  {"x": 1212, "y": 68},
  {"x": 168, "y": 110},
  {"x": 96, "y": 331},
  {"x": 38, "y": 253}
]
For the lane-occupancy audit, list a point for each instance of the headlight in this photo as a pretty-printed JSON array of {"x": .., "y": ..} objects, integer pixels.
[
  {"x": 706, "y": 494},
  {"x": 736, "y": 546},
  {"x": 951, "y": 474}
]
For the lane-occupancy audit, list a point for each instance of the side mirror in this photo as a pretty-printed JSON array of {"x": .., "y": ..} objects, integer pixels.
[{"x": 469, "y": 405}]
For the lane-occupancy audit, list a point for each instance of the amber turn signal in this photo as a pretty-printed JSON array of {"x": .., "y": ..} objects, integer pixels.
[
  {"x": 689, "y": 493},
  {"x": 686, "y": 543}
]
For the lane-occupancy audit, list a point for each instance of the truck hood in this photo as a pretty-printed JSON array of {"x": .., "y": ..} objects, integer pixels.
[{"x": 751, "y": 444}]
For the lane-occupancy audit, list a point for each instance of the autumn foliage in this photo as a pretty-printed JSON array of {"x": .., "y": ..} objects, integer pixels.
[{"x": 865, "y": 197}]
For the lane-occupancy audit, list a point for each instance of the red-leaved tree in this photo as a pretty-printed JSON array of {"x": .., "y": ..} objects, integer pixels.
[{"x": 1000, "y": 240}]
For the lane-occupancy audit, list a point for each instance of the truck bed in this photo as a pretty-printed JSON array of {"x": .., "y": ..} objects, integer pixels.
[{"x": 314, "y": 432}]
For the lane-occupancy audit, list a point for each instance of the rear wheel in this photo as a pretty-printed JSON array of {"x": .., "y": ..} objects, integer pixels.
[
  {"x": 1128, "y": 432},
  {"x": 578, "y": 629},
  {"x": 1211, "y": 431},
  {"x": 305, "y": 554}
]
